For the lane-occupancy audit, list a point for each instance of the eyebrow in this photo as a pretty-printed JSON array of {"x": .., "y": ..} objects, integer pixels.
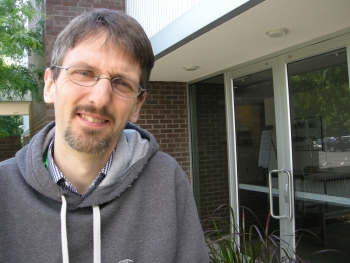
[
  {"x": 86, "y": 65},
  {"x": 83, "y": 64}
]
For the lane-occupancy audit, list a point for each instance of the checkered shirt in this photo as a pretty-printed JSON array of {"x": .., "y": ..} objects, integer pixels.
[{"x": 62, "y": 181}]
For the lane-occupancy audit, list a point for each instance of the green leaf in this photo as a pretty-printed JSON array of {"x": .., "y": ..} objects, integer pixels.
[
  {"x": 16, "y": 42},
  {"x": 9, "y": 125}
]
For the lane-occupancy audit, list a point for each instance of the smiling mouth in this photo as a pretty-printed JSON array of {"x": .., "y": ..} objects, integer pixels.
[{"x": 92, "y": 120}]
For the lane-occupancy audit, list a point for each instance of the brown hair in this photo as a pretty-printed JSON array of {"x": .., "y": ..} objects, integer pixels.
[{"x": 122, "y": 31}]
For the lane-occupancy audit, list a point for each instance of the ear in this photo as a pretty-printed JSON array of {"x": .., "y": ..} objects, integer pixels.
[
  {"x": 49, "y": 88},
  {"x": 135, "y": 115}
]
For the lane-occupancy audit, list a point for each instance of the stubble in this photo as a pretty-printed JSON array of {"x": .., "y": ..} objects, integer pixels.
[{"x": 89, "y": 141}]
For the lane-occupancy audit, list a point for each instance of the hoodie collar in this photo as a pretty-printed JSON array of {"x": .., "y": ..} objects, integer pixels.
[{"x": 30, "y": 163}]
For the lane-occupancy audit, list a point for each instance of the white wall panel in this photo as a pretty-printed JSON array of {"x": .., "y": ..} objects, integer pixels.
[{"x": 154, "y": 15}]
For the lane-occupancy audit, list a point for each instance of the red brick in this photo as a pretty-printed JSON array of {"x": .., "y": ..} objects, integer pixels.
[
  {"x": 59, "y": 7},
  {"x": 85, "y": 5}
]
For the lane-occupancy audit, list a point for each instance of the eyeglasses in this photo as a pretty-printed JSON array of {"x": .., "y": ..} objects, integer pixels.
[{"x": 87, "y": 77}]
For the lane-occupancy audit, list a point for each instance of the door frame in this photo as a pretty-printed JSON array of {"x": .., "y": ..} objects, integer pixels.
[
  {"x": 282, "y": 123},
  {"x": 283, "y": 128}
]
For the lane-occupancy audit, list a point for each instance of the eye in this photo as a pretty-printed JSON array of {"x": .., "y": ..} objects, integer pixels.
[
  {"x": 83, "y": 73},
  {"x": 120, "y": 83},
  {"x": 80, "y": 73}
]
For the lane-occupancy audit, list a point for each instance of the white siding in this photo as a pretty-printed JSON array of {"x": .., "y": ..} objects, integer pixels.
[{"x": 154, "y": 15}]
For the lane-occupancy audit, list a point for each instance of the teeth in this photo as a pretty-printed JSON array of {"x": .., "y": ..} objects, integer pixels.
[{"x": 90, "y": 119}]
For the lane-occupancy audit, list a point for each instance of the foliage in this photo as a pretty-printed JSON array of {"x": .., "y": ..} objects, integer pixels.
[
  {"x": 325, "y": 93},
  {"x": 3, "y": 133},
  {"x": 16, "y": 42},
  {"x": 9, "y": 125},
  {"x": 247, "y": 245}
]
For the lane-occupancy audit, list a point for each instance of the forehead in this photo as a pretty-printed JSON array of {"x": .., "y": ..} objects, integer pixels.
[
  {"x": 99, "y": 42},
  {"x": 103, "y": 54}
]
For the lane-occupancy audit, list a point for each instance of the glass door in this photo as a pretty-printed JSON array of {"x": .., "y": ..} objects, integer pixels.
[
  {"x": 288, "y": 130},
  {"x": 262, "y": 160},
  {"x": 319, "y": 97}
]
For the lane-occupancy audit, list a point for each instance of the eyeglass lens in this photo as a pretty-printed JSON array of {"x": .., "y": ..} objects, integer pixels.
[{"x": 88, "y": 77}]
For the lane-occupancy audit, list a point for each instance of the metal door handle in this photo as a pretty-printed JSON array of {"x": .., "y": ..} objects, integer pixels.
[{"x": 288, "y": 193}]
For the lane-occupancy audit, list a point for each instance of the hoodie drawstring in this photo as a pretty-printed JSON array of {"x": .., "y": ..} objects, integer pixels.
[
  {"x": 96, "y": 229},
  {"x": 97, "y": 234},
  {"x": 64, "y": 239}
]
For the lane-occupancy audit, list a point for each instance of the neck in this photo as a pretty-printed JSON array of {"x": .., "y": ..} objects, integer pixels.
[{"x": 80, "y": 169}]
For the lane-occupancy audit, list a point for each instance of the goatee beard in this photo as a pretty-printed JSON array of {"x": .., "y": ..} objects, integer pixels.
[
  {"x": 86, "y": 143},
  {"x": 89, "y": 141}
]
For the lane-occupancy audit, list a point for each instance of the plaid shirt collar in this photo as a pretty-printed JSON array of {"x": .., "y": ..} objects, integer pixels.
[{"x": 58, "y": 177}]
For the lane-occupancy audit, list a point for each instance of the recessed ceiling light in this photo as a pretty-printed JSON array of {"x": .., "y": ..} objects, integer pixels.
[
  {"x": 242, "y": 78},
  {"x": 191, "y": 68},
  {"x": 277, "y": 32},
  {"x": 335, "y": 53}
]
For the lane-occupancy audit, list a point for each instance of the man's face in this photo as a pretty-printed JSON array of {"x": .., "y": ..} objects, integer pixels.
[{"x": 90, "y": 119}]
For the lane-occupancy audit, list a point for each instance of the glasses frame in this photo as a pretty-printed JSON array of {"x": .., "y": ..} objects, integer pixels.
[{"x": 98, "y": 78}]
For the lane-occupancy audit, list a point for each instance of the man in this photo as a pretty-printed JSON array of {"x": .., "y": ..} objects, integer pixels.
[{"x": 93, "y": 187}]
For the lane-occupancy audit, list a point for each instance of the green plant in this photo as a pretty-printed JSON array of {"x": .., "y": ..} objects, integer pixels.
[
  {"x": 9, "y": 125},
  {"x": 21, "y": 27},
  {"x": 3, "y": 133},
  {"x": 251, "y": 245},
  {"x": 229, "y": 243}
]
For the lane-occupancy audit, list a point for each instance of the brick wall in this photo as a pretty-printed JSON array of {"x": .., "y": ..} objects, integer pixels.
[
  {"x": 60, "y": 12},
  {"x": 212, "y": 148},
  {"x": 9, "y": 146},
  {"x": 165, "y": 115},
  {"x": 39, "y": 115}
]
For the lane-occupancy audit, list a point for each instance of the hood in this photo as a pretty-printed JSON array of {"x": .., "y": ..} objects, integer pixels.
[{"x": 31, "y": 165}]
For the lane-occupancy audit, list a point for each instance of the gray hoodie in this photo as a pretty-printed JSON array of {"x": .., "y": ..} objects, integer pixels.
[{"x": 142, "y": 212}]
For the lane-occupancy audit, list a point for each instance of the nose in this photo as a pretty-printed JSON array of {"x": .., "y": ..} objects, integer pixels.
[
  {"x": 99, "y": 78},
  {"x": 101, "y": 92}
]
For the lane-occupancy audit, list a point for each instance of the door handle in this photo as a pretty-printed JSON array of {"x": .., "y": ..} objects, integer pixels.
[{"x": 288, "y": 194}]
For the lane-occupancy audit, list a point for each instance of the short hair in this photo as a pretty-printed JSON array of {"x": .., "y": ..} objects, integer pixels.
[{"x": 122, "y": 31}]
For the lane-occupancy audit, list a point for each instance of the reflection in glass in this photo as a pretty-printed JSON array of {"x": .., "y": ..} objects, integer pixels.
[
  {"x": 320, "y": 127},
  {"x": 255, "y": 120}
]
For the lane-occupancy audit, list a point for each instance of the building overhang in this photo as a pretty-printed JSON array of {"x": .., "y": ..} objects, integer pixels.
[
  {"x": 218, "y": 35},
  {"x": 15, "y": 106}
]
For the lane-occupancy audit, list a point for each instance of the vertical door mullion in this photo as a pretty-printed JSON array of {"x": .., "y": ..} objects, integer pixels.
[
  {"x": 284, "y": 149},
  {"x": 194, "y": 147},
  {"x": 347, "y": 41},
  {"x": 232, "y": 154}
]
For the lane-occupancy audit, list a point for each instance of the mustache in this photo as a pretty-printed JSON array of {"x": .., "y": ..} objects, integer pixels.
[{"x": 103, "y": 112}]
